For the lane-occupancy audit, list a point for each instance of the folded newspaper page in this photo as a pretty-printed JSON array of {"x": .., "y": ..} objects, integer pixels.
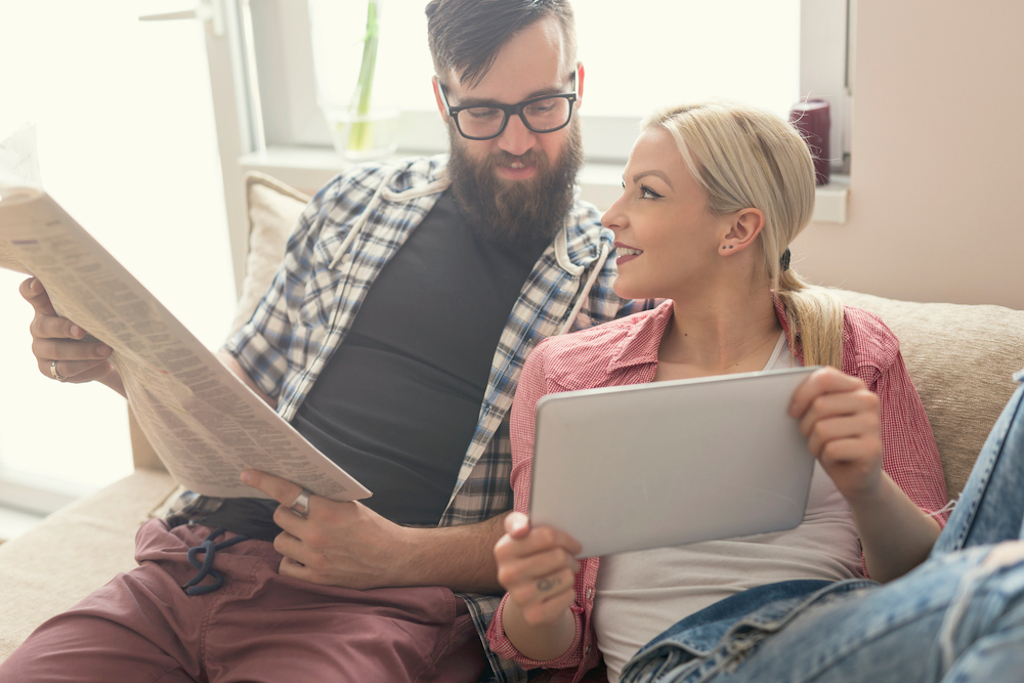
[
  {"x": 19, "y": 168},
  {"x": 203, "y": 422}
]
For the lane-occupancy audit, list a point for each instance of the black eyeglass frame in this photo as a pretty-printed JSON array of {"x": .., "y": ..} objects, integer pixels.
[{"x": 509, "y": 109}]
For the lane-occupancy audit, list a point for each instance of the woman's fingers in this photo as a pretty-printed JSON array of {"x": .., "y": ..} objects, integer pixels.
[
  {"x": 840, "y": 418},
  {"x": 554, "y": 593},
  {"x": 856, "y": 401},
  {"x": 860, "y": 404},
  {"x": 827, "y": 380},
  {"x": 827, "y": 432},
  {"x": 541, "y": 584},
  {"x": 517, "y": 525},
  {"x": 521, "y": 540},
  {"x": 517, "y": 570},
  {"x": 537, "y": 567}
]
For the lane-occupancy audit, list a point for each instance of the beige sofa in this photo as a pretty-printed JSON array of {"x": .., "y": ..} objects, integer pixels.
[{"x": 960, "y": 357}]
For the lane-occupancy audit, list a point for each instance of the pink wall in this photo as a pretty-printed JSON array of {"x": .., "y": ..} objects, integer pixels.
[{"x": 936, "y": 209}]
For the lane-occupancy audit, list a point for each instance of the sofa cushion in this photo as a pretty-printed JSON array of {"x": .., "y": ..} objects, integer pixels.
[
  {"x": 961, "y": 359},
  {"x": 272, "y": 209},
  {"x": 73, "y": 552}
]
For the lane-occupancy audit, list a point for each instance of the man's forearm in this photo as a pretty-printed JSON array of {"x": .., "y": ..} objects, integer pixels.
[{"x": 458, "y": 557}]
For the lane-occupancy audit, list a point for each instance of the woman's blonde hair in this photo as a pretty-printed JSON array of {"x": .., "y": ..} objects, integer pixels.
[{"x": 748, "y": 158}]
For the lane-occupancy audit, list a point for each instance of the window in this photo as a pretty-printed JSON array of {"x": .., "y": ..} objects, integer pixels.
[
  {"x": 653, "y": 54},
  {"x": 768, "y": 53},
  {"x": 127, "y": 145}
]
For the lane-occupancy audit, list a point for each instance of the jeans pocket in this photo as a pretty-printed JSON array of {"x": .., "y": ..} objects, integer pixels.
[
  {"x": 694, "y": 651},
  {"x": 669, "y": 662}
]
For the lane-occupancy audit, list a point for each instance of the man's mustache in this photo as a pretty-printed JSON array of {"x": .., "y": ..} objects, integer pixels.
[{"x": 531, "y": 158}]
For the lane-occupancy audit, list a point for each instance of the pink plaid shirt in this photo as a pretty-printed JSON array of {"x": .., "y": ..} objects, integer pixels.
[{"x": 625, "y": 352}]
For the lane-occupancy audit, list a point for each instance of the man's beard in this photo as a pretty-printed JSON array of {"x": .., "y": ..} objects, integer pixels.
[{"x": 515, "y": 212}]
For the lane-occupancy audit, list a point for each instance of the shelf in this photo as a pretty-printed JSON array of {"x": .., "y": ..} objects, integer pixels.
[
  {"x": 309, "y": 168},
  {"x": 830, "y": 200}
]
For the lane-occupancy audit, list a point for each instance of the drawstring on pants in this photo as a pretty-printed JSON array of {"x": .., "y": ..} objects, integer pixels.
[{"x": 206, "y": 566}]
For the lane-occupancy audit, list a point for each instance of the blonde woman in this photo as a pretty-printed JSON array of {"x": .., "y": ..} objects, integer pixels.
[{"x": 713, "y": 195}]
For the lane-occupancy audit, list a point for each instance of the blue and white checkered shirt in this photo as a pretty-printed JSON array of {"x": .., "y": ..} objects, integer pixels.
[{"x": 344, "y": 237}]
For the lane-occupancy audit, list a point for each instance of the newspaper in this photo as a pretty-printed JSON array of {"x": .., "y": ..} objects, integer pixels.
[{"x": 203, "y": 422}]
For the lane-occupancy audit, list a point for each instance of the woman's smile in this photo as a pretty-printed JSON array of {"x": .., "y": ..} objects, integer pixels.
[{"x": 626, "y": 254}]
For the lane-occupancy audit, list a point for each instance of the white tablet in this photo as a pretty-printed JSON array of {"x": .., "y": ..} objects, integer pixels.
[{"x": 668, "y": 463}]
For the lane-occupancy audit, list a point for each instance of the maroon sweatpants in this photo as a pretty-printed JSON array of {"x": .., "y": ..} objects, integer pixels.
[{"x": 260, "y": 626}]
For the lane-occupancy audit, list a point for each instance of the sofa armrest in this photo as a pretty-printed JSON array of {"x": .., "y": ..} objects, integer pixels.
[
  {"x": 143, "y": 454},
  {"x": 73, "y": 552}
]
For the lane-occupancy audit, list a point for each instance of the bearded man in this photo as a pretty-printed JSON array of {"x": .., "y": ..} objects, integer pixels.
[{"x": 392, "y": 339}]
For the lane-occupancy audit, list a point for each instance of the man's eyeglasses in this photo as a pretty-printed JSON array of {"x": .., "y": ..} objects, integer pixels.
[{"x": 544, "y": 114}]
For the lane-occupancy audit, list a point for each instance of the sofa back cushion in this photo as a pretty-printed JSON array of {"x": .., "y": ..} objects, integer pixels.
[{"x": 273, "y": 209}]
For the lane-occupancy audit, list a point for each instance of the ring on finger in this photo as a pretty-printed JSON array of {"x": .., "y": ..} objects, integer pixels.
[
  {"x": 54, "y": 374},
  {"x": 300, "y": 506}
]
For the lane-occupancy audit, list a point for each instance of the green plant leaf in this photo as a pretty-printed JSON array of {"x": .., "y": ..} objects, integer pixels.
[{"x": 361, "y": 135}]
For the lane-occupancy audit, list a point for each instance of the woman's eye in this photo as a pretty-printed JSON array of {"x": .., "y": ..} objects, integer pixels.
[{"x": 648, "y": 193}]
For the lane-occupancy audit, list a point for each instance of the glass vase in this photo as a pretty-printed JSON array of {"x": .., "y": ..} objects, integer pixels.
[{"x": 347, "y": 38}]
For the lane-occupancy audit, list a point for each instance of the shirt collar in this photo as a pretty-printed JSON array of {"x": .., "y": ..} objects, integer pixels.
[{"x": 640, "y": 346}]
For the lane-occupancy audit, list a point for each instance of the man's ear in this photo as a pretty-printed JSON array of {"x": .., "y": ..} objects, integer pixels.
[
  {"x": 744, "y": 227},
  {"x": 579, "y": 86},
  {"x": 436, "y": 82}
]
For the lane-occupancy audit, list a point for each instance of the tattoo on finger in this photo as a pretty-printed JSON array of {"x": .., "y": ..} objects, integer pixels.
[{"x": 547, "y": 584}]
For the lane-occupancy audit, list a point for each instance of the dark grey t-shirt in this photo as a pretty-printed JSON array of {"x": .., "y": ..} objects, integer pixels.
[{"x": 397, "y": 404}]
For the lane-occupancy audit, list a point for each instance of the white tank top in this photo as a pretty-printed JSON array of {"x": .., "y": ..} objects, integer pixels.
[{"x": 642, "y": 593}]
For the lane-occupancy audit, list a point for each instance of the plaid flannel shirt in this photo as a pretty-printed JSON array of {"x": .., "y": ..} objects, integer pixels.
[{"x": 346, "y": 234}]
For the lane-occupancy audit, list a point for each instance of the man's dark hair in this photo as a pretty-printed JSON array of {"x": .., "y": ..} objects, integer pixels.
[{"x": 466, "y": 35}]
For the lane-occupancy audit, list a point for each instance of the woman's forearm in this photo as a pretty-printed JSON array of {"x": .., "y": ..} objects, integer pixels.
[
  {"x": 543, "y": 642},
  {"x": 895, "y": 534}
]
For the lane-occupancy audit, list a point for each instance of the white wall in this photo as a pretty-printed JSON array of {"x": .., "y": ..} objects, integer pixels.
[{"x": 937, "y": 160}]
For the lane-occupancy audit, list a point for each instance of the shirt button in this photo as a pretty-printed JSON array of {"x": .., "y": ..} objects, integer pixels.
[
  {"x": 590, "y": 593},
  {"x": 586, "y": 650}
]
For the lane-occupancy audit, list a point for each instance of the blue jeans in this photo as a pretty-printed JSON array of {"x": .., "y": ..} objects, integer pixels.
[{"x": 954, "y": 618}]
